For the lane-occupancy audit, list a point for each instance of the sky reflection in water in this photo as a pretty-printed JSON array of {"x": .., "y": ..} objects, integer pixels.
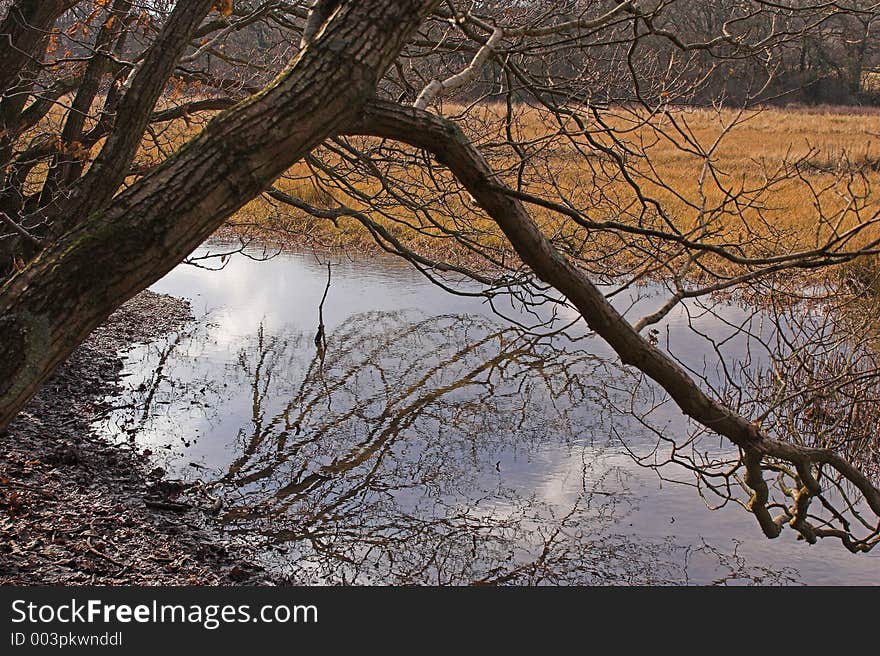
[{"x": 433, "y": 443}]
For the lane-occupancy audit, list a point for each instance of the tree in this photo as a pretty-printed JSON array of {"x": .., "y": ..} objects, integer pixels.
[{"x": 411, "y": 96}]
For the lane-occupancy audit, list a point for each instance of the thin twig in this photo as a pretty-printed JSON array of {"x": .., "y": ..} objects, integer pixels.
[
  {"x": 321, "y": 337},
  {"x": 20, "y": 230}
]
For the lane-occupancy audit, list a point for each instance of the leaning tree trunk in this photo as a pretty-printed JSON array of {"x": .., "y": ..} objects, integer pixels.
[
  {"x": 70, "y": 288},
  {"x": 451, "y": 147}
]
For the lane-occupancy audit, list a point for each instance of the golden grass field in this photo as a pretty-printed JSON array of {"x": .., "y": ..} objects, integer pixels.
[
  {"x": 765, "y": 181},
  {"x": 779, "y": 180}
]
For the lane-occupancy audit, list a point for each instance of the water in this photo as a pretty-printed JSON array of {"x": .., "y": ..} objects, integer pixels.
[{"x": 435, "y": 442}]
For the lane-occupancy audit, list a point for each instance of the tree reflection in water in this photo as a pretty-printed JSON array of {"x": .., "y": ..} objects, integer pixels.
[{"x": 406, "y": 454}]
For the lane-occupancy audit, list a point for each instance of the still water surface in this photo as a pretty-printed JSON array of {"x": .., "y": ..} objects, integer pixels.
[{"x": 433, "y": 442}]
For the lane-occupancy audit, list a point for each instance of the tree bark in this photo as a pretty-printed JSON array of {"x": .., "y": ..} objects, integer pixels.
[
  {"x": 22, "y": 34},
  {"x": 66, "y": 291},
  {"x": 66, "y": 167},
  {"x": 109, "y": 169}
]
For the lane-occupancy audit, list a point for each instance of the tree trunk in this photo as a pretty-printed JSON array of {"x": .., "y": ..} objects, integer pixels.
[
  {"x": 23, "y": 36},
  {"x": 452, "y": 148},
  {"x": 50, "y": 307}
]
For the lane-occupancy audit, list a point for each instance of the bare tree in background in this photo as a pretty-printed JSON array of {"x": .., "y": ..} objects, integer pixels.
[{"x": 527, "y": 134}]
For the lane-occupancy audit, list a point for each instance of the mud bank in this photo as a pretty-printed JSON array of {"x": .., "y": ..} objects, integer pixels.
[{"x": 78, "y": 510}]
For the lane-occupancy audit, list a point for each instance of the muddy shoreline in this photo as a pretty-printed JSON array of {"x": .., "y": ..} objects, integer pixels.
[{"x": 76, "y": 509}]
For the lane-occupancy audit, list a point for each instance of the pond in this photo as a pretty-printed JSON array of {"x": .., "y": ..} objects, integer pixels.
[{"x": 435, "y": 442}]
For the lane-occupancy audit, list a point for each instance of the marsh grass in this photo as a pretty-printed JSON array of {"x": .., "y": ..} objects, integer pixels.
[
  {"x": 780, "y": 180},
  {"x": 763, "y": 182}
]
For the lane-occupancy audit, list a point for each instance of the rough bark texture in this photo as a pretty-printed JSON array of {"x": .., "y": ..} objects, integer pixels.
[{"x": 70, "y": 288}]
